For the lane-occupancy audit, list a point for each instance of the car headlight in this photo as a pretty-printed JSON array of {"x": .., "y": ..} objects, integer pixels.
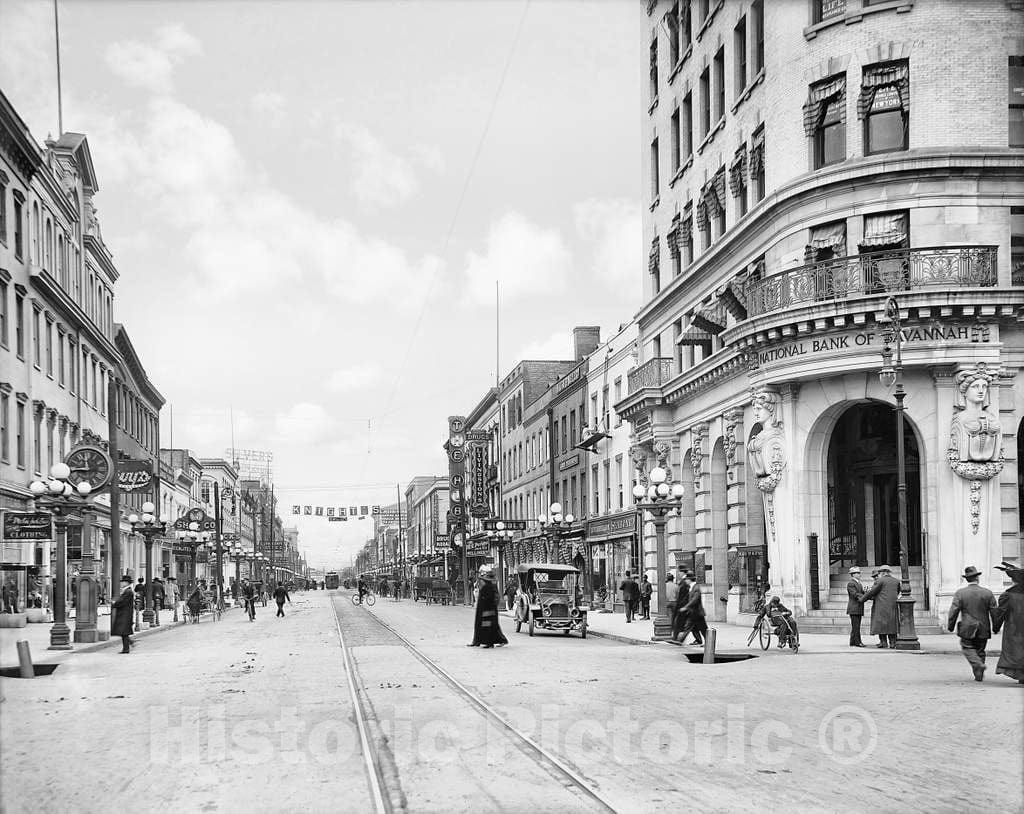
[
  {"x": 575, "y": 612},
  {"x": 547, "y": 610}
]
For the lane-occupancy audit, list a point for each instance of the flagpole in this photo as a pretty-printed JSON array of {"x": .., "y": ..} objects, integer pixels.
[{"x": 60, "y": 99}]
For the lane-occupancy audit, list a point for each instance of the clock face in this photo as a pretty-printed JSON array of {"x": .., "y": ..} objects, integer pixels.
[{"x": 90, "y": 464}]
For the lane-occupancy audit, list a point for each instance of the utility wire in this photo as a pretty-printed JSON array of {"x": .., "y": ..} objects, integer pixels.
[{"x": 455, "y": 219}]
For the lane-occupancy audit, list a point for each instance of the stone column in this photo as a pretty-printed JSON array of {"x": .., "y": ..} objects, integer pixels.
[
  {"x": 735, "y": 498},
  {"x": 702, "y": 510},
  {"x": 945, "y": 554},
  {"x": 794, "y": 567}
]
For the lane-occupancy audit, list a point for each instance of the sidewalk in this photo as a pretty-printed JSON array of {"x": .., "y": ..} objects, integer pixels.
[
  {"x": 38, "y": 637},
  {"x": 733, "y": 638}
]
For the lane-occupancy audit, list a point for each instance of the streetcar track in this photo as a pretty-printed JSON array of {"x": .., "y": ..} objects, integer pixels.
[{"x": 570, "y": 778}]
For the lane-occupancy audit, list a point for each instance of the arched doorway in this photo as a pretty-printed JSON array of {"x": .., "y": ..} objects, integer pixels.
[{"x": 863, "y": 512}]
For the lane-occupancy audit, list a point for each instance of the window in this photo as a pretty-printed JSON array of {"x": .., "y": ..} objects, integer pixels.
[
  {"x": 617, "y": 384},
  {"x": 60, "y": 360},
  {"x": 20, "y": 439},
  {"x": 886, "y": 238},
  {"x": 37, "y": 446},
  {"x": 48, "y": 247},
  {"x": 672, "y": 26},
  {"x": 607, "y": 485},
  {"x": 654, "y": 70},
  {"x": 654, "y": 265},
  {"x": 595, "y": 486},
  {"x": 676, "y": 146},
  {"x": 3, "y": 313},
  {"x": 711, "y": 207},
  {"x": 19, "y": 228},
  {"x": 826, "y": 242},
  {"x": 1017, "y": 244},
  {"x": 655, "y": 171},
  {"x": 720, "y": 83},
  {"x": 72, "y": 366},
  {"x": 825, "y": 120},
  {"x": 738, "y": 180},
  {"x": 5, "y": 427},
  {"x": 572, "y": 496},
  {"x": 573, "y": 437},
  {"x": 686, "y": 125},
  {"x": 204, "y": 491},
  {"x": 885, "y": 231},
  {"x": 827, "y": 9},
  {"x": 884, "y": 107},
  {"x": 604, "y": 409},
  {"x": 757, "y": 23},
  {"x": 756, "y": 169},
  {"x": 49, "y": 445},
  {"x": 3, "y": 208},
  {"x": 565, "y": 435},
  {"x": 703, "y": 10},
  {"x": 674, "y": 249},
  {"x": 685, "y": 25},
  {"x": 1015, "y": 92},
  {"x": 19, "y": 325},
  {"x": 35, "y": 234},
  {"x": 705, "y": 103},
  {"x": 37, "y": 349},
  {"x": 49, "y": 347},
  {"x": 739, "y": 39},
  {"x": 618, "y": 478}
]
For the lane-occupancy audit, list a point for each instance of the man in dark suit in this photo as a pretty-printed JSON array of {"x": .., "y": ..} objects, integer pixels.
[
  {"x": 884, "y": 595},
  {"x": 692, "y": 609},
  {"x": 974, "y": 605},
  {"x": 855, "y": 606},
  {"x": 630, "y": 595}
]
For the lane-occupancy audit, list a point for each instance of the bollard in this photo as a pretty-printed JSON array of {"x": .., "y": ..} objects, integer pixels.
[
  {"x": 25, "y": 661},
  {"x": 709, "y": 645}
]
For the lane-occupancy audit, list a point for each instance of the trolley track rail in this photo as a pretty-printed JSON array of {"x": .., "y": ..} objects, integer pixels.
[{"x": 376, "y": 772}]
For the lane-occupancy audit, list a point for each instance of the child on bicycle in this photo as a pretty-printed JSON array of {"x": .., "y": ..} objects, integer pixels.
[{"x": 781, "y": 619}]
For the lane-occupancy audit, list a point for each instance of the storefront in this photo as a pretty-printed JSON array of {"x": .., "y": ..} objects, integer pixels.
[{"x": 613, "y": 549}]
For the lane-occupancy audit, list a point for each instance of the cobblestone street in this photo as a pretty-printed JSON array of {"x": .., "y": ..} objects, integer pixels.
[{"x": 233, "y": 715}]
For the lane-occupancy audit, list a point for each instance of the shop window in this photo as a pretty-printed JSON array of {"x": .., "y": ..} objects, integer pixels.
[
  {"x": 1015, "y": 92},
  {"x": 884, "y": 107},
  {"x": 825, "y": 121}
]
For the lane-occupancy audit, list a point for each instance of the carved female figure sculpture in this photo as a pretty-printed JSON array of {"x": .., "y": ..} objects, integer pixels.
[
  {"x": 975, "y": 435},
  {"x": 766, "y": 450}
]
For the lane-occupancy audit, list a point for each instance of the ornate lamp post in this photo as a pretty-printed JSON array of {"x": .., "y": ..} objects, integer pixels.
[
  {"x": 237, "y": 553},
  {"x": 660, "y": 499},
  {"x": 556, "y": 524},
  {"x": 61, "y": 498},
  {"x": 891, "y": 375},
  {"x": 193, "y": 539},
  {"x": 501, "y": 537},
  {"x": 150, "y": 528}
]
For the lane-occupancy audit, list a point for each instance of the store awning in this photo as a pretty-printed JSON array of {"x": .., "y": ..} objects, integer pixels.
[{"x": 887, "y": 229}]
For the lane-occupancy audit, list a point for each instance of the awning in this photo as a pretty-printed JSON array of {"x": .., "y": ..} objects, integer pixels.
[
  {"x": 887, "y": 229},
  {"x": 711, "y": 318},
  {"x": 894, "y": 74},
  {"x": 820, "y": 96},
  {"x": 827, "y": 236},
  {"x": 694, "y": 336},
  {"x": 738, "y": 172}
]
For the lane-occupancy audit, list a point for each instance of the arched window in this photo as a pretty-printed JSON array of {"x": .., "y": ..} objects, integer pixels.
[
  {"x": 61, "y": 265},
  {"x": 35, "y": 233},
  {"x": 48, "y": 258}
]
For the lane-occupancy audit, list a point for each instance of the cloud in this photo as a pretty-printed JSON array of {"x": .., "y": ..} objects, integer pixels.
[
  {"x": 613, "y": 228},
  {"x": 380, "y": 177},
  {"x": 303, "y": 424},
  {"x": 150, "y": 66},
  {"x": 527, "y": 260},
  {"x": 556, "y": 346},
  {"x": 270, "y": 105},
  {"x": 428, "y": 157},
  {"x": 357, "y": 377}
]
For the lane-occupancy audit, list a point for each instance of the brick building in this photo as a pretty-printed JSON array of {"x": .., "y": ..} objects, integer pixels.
[{"x": 808, "y": 160}]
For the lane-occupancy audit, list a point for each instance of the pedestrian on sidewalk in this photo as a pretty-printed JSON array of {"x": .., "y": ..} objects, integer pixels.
[
  {"x": 510, "y": 593},
  {"x": 280, "y": 595},
  {"x": 10, "y": 596},
  {"x": 195, "y": 602},
  {"x": 883, "y": 595},
  {"x": 174, "y": 595},
  {"x": 1009, "y": 616},
  {"x": 121, "y": 614},
  {"x": 976, "y": 607},
  {"x": 486, "y": 628},
  {"x": 140, "y": 601},
  {"x": 671, "y": 597},
  {"x": 693, "y": 610},
  {"x": 630, "y": 595},
  {"x": 646, "y": 589},
  {"x": 855, "y": 606},
  {"x": 159, "y": 594},
  {"x": 249, "y": 597}
]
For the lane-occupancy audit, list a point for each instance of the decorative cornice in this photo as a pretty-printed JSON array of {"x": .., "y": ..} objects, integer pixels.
[
  {"x": 6, "y": 387},
  {"x": 21, "y": 397},
  {"x": 38, "y": 406}
]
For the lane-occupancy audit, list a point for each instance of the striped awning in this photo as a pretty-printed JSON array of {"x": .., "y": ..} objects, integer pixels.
[
  {"x": 887, "y": 229},
  {"x": 821, "y": 95},
  {"x": 893, "y": 74}
]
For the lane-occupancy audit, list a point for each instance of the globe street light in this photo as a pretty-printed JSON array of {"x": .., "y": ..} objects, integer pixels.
[
  {"x": 60, "y": 497},
  {"x": 555, "y": 524},
  {"x": 660, "y": 499},
  {"x": 150, "y": 528},
  {"x": 891, "y": 375},
  {"x": 193, "y": 539}
]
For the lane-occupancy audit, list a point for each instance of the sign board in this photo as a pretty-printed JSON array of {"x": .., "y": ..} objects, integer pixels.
[
  {"x": 478, "y": 548},
  {"x": 569, "y": 463},
  {"x": 491, "y": 524},
  {"x": 198, "y": 516},
  {"x": 337, "y": 519},
  {"x": 27, "y": 526},
  {"x": 621, "y": 525},
  {"x": 386, "y": 517},
  {"x": 134, "y": 476},
  {"x": 480, "y": 505}
]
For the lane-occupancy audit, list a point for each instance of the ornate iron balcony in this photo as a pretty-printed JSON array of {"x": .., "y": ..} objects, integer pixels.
[
  {"x": 883, "y": 272},
  {"x": 653, "y": 373}
]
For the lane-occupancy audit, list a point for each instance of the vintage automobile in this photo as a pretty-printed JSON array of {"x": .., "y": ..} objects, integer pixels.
[{"x": 549, "y": 597}]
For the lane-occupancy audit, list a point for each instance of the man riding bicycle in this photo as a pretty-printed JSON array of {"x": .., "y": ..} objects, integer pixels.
[
  {"x": 363, "y": 590},
  {"x": 781, "y": 619}
]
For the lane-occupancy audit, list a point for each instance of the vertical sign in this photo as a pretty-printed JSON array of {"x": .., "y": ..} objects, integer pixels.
[
  {"x": 478, "y": 441},
  {"x": 456, "y": 449}
]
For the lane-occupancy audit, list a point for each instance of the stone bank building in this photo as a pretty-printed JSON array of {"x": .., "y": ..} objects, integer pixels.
[{"x": 808, "y": 161}]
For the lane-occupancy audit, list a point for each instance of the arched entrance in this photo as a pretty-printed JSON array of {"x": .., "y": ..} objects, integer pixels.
[{"x": 863, "y": 513}]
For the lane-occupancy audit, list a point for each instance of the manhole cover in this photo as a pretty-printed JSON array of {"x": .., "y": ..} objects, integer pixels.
[
  {"x": 15, "y": 672},
  {"x": 720, "y": 658}
]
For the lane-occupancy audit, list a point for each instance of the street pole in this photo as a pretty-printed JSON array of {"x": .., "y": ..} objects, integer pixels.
[
  {"x": 115, "y": 494},
  {"x": 220, "y": 549},
  {"x": 661, "y": 565},
  {"x": 147, "y": 613},
  {"x": 60, "y": 633}
]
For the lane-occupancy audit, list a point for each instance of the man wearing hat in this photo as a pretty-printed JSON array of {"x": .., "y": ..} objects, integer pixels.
[
  {"x": 975, "y": 606},
  {"x": 121, "y": 622},
  {"x": 855, "y": 606},
  {"x": 884, "y": 595}
]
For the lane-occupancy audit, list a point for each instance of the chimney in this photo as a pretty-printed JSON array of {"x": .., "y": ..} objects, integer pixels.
[{"x": 585, "y": 339}]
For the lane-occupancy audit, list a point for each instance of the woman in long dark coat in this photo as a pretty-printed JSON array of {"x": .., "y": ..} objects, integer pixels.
[
  {"x": 486, "y": 630},
  {"x": 1009, "y": 616},
  {"x": 122, "y": 612}
]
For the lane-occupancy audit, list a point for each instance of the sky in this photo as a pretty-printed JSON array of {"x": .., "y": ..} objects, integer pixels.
[{"x": 310, "y": 203}]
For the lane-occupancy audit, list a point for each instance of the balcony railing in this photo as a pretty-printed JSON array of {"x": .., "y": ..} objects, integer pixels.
[
  {"x": 874, "y": 273},
  {"x": 653, "y": 373}
]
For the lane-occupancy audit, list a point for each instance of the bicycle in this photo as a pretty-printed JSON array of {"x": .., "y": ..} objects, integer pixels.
[
  {"x": 370, "y": 599},
  {"x": 763, "y": 630}
]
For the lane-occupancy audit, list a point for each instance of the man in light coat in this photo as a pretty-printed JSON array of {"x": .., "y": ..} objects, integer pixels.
[
  {"x": 975, "y": 606},
  {"x": 884, "y": 595},
  {"x": 855, "y": 606}
]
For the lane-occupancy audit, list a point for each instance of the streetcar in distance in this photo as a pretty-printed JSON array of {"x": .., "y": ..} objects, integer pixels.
[{"x": 332, "y": 580}]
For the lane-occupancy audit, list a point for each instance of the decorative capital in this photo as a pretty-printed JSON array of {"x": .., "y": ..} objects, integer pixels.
[
  {"x": 698, "y": 434},
  {"x": 733, "y": 419}
]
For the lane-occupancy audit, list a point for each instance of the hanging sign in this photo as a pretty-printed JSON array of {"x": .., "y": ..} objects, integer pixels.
[{"x": 134, "y": 476}]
